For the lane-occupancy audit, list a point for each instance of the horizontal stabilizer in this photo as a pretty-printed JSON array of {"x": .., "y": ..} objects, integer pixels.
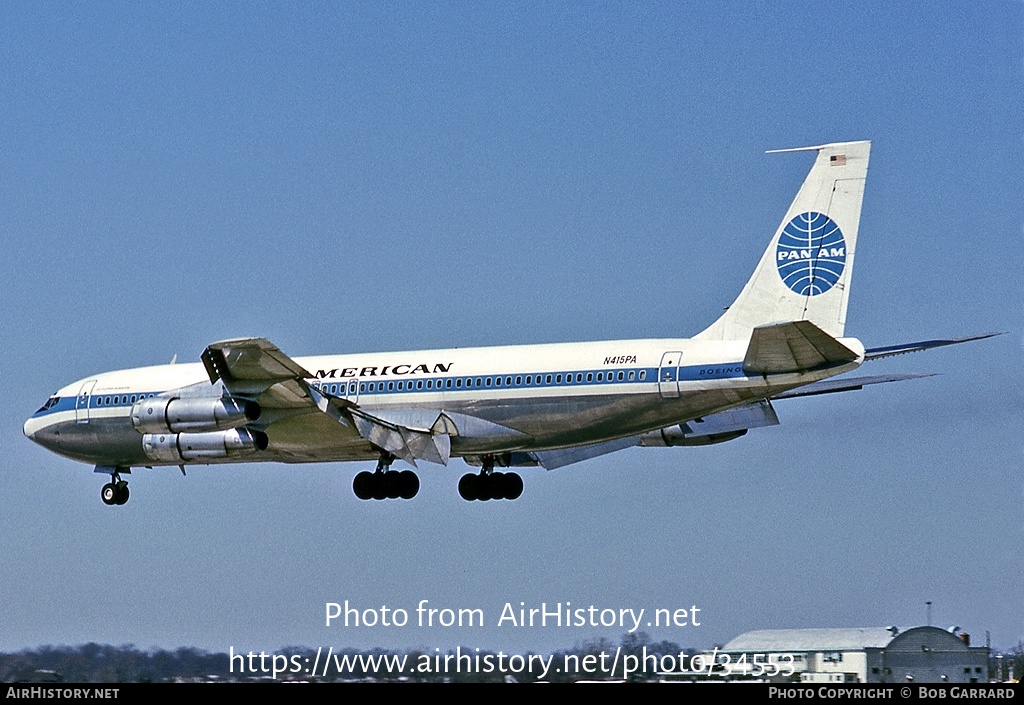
[
  {"x": 890, "y": 350},
  {"x": 792, "y": 347},
  {"x": 828, "y": 386}
]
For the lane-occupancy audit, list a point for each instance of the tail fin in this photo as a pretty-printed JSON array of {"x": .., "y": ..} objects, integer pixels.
[{"x": 805, "y": 272}]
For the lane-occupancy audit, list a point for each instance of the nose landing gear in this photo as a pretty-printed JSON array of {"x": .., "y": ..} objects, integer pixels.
[{"x": 115, "y": 491}]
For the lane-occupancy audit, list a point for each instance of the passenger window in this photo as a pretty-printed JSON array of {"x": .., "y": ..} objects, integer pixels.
[
  {"x": 448, "y": 384},
  {"x": 519, "y": 380},
  {"x": 458, "y": 382},
  {"x": 508, "y": 381},
  {"x": 419, "y": 384},
  {"x": 643, "y": 374},
  {"x": 479, "y": 382},
  {"x": 401, "y": 386},
  {"x": 391, "y": 386},
  {"x": 529, "y": 379},
  {"x": 548, "y": 379},
  {"x": 487, "y": 381},
  {"x": 621, "y": 376},
  {"x": 558, "y": 379},
  {"x": 590, "y": 376},
  {"x": 579, "y": 376},
  {"x": 631, "y": 373}
]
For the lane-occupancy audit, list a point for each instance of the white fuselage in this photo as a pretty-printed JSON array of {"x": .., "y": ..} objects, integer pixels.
[{"x": 504, "y": 399}]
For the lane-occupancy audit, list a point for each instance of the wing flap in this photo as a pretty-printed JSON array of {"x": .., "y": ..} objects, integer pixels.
[{"x": 431, "y": 442}]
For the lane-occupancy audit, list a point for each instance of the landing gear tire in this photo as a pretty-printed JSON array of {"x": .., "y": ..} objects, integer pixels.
[
  {"x": 496, "y": 485},
  {"x": 363, "y": 485},
  {"x": 114, "y": 492},
  {"x": 409, "y": 484},
  {"x": 513, "y": 486},
  {"x": 468, "y": 487},
  {"x": 386, "y": 485},
  {"x": 380, "y": 489}
]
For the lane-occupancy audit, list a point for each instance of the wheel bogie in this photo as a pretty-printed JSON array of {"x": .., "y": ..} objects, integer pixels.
[
  {"x": 495, "y": 485},
  {"x": 386, "y": 485}
]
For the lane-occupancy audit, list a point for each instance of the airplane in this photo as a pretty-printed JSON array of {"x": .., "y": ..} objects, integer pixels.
[{"x": 501, "y": 407}]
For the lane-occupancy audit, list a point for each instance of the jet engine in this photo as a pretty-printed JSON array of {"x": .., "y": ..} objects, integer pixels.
[
  {"x": 177, "y": 415},
  {"x": 179, "y": 447}
]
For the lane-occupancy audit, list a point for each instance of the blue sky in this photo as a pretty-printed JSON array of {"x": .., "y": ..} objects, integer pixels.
[{"x": 348, "y": 177}]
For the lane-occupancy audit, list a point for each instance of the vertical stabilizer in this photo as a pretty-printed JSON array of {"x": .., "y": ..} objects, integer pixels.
[{"x": 805, "y": 272}]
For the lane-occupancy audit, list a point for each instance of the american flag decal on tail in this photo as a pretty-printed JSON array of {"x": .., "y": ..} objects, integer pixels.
[{"x": 837, "y": 160}]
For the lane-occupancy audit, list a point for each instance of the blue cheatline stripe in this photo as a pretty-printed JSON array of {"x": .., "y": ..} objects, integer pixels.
[{"x": 460, "y": 383}]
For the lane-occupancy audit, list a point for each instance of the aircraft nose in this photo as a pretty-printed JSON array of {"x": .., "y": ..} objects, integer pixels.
[{"x": 35, "y": 430}]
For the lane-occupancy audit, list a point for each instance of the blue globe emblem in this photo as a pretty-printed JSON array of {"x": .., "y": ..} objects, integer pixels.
[{"x": 811, "y": 254}]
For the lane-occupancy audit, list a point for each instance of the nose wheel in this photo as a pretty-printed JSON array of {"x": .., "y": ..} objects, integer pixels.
[{"x": 115, "y": 492}]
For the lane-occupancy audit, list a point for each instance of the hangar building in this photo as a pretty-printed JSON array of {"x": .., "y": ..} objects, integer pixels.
[{"x": 862, "y": 655}]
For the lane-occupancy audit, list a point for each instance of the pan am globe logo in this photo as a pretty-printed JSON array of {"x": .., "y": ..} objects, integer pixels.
[{"x": 811, "y": 254}]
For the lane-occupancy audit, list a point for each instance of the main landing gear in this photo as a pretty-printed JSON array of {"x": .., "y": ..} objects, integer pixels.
[
  {"x": 385, "y": 483},
  {"x": 115, "y": 491},
  {"x": 489, "y": 484}
]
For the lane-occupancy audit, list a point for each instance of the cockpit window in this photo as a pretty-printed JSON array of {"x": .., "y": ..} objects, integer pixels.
[{"x": 50, "y": 403}]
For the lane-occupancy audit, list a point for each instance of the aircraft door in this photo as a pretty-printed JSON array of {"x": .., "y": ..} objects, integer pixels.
[
  {"x": 82, "y": 402},
  {"x": 352, "y": 393},
  {"x": 668, "y": 374}
]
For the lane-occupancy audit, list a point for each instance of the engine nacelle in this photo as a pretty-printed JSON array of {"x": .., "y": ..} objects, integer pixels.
[
  {"x": 676, "y": 436},
  {"x": 179, "y": 447},
  {"x": 176, "y": 415}
]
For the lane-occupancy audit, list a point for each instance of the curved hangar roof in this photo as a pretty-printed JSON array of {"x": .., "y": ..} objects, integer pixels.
[{"x": 850, "y": 639}]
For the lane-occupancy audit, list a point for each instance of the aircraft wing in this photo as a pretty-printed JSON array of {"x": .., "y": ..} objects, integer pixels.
[
  {"x": 890, "y": 350},
  {"x": 256, "y": 368}
]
